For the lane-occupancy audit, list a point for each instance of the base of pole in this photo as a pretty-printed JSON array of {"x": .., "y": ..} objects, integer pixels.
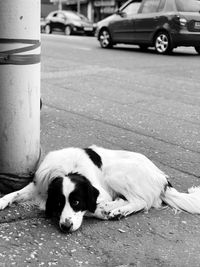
[
  {"x": 10, "y": 182},
  {"x": 13, "y": 182}
]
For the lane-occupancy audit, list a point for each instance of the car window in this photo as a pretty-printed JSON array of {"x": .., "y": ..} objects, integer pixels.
[
  {"x": 83, "y": 17},
  {"x": 188, "y": 6},
  {"x": 52, "y": 14},
  {"x": 161, "y": 6},
  {"x": 73, "y": 16},
  {"x": 60, "y": 16},
  {"x": 132, "y": 8},
  {"x": 150, "y": 6}
]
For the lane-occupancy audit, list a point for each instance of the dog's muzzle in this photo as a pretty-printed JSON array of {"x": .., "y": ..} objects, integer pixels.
[{"x": 66, "y": 226}]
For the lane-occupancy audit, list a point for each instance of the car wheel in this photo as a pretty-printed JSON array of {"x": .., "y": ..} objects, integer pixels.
[
  {"x": 68, "y": 30},
  {"x": 105, "y": 39},
  {"x": 47, "y": 29},
  {"x": 162, "y": 43},
  {"x": 197, "y": 48}
]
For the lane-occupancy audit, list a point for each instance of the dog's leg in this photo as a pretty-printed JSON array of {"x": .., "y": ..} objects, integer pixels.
[
  {"x": 24, "y": 194},
  {"x": 116, "y": 209},
  {"x": 110, "y": 205},
  {"x": 105, "y": 207},
  {"x": 125, "y": 210}
]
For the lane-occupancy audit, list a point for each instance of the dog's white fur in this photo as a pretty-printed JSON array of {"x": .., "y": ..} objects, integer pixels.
[{"x": 127, "y": 182}]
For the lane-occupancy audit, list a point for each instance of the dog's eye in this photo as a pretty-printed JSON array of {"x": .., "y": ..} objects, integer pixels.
[{"x": 75, "y": 202}]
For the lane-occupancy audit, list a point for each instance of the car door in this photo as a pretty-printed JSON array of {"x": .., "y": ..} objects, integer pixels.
[
  {"x": 53, "y": 20},
  {"x": 148, "y": 20},
  {"x": 122, "y": 27},
  {"x": 60, "y": 21}
]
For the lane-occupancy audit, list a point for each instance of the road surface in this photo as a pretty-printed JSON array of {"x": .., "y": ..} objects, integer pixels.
[{"x": 120, "y": 98}]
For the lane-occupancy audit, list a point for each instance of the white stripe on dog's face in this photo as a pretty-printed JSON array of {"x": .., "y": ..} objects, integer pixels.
[
  {"x": 69, "y": 197},
  {"x": 72, "y": 214}
]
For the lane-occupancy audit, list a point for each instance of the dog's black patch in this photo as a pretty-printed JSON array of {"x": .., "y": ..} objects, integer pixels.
[
  {"x": 167, "y": 185},
  {"x": 84, "y": 196},
  {"x": 165, "y": 188},
  {"x": 121, "y": 196},
  {"x": 95, "y": 158},
  {"x": 55, "y": 199}
]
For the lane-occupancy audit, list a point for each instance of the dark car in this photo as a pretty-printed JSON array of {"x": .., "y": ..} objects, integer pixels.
[
  {"x": 69, "y": 22},
  {"x": 163, "y": 24}
]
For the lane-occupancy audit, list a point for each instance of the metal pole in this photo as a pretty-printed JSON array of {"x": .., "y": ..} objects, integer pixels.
[
  {"x": 78, "y": 6},
  {"x": 19, "y": 90},
  {"x": 59, "y": 4}
]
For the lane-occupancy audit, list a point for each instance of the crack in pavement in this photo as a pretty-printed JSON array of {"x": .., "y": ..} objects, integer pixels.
[
  {"x": 177, "y": 169},
  {"x": 129, "y": 104},
  {"x": 120, "y": 127},
  {"x": 135, "y": 132}
]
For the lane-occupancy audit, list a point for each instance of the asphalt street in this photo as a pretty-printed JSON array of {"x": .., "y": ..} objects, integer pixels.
[{"x": 125, "y": 99}]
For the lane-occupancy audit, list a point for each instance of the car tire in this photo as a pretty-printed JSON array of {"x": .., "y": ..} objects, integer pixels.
[
  {"x": 197, "y": 48},
  {"x": 68, "y": 30},
  {"x": 105, "y": 39},
  {"x": 47, "y": 29},
  {"x": 162, "y": 43}
]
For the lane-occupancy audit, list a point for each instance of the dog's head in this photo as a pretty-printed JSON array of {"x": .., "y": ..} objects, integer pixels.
[{"x": 69, "y": 197}]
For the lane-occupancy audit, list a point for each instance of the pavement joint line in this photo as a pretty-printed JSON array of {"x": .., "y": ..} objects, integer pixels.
[
  {"x": 130, "y": 104},
  {"x": 181, "y": 171},
  {"x": 120, "y": 127},
  {"x": 93, "y": 95}
]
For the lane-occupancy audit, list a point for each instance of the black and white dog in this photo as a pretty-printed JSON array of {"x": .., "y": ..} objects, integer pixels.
[{"x": 103, "y": 183}]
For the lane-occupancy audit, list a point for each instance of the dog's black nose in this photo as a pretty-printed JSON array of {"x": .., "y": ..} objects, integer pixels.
[{"x": 66, "y": 226}]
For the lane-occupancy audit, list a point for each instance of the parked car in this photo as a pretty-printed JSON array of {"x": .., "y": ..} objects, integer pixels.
[
  {"x": 163, "y": 24},
  {"x": 69, "y": 22}
]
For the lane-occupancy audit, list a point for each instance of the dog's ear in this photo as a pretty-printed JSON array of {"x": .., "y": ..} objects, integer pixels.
[
  {"x": 92, "y": 195},
  {"x": 55, "y": 199}
]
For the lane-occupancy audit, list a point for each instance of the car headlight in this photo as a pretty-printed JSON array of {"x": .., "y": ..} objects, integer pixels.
[
  {"x": 77, "y": 24},
  {"x": 182, "y": 21}
]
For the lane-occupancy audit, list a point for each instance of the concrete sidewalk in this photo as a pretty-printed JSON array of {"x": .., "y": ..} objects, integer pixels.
[{"x": 159, "y": 238}]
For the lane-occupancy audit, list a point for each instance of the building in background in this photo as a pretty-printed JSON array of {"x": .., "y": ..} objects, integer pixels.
[
  {"x": 95, "y": 10},
  {"x": 103, "y": 8},
  {"x": 47, "y": 7}
]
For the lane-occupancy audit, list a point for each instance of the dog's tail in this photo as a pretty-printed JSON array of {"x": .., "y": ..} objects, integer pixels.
[{"x": 189, "y": 202}]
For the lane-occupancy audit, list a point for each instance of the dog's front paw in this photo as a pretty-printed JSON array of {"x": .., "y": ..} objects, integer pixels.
[
  {"x": 101, "y": 212},
  {"x": 117, "y": 214}
]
